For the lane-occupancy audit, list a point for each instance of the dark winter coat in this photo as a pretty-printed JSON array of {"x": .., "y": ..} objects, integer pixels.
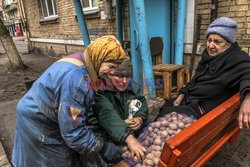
[
  {"x": 110, "y": 109},
  {"x": 218, "y": 78}
]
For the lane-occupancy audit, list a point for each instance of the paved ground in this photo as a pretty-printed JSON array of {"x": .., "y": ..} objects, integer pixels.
[{"x": 234, "y": 155}]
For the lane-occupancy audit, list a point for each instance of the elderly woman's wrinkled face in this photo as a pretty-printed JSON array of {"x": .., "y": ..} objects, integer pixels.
[
  {"x": 107, "y": 68},
  {"x": 216, "y": 44}
]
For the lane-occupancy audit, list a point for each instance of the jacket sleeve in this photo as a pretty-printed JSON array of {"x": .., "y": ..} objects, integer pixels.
[
  {"x": 109, "y": 119},
  {"x": 184, "y": 89},
  {"x": 245, "y": 78},
  {"x": 240, "y": 73},
  {"x": 73, "y": 98}
]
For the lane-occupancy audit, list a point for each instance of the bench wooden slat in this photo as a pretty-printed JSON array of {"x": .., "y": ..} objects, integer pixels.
[
  {"x": 190, "y": 137},
  {"x": 201, "y": 146},
  {"x": 121, "y": 164},
  {"x": 215, "y": 148}
]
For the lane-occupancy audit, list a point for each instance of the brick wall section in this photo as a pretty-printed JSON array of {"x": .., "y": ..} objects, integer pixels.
[
  {"x": 239, "y": 10},
  {"x": 66, "y": 26}
]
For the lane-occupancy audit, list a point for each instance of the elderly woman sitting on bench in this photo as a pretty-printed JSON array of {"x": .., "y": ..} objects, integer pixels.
[{"x": 223, "y": 71}]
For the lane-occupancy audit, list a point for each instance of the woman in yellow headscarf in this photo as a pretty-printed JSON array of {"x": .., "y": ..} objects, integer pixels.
[
  {"x": 101, "y": 53},
  {"x": 50, "y": 124}
]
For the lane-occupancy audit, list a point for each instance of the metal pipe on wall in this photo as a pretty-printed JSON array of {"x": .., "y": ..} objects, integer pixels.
[
  {"x": 82, "y": 23},
  {"x": 180, "y": 26},
  {"x": 24, "y": 22},
  {"x": 119, "y": 25},
  {"x": 214, "y": 10},
  {"x": 140, "y": 15}
]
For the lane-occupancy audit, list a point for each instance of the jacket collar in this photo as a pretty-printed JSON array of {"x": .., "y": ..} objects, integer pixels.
[{"x": 216, "y": 62}]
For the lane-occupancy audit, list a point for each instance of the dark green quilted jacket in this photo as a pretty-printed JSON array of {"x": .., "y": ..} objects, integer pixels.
[{"x": 110, "y": 109}]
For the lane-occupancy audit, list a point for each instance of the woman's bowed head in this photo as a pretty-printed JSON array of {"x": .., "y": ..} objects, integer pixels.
[
  {"x": 103, "y": 56},
  {"x": 118, "y": 79}
]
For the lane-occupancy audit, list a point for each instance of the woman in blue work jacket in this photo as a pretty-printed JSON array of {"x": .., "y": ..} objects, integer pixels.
[{"x": 50, "y": 118}]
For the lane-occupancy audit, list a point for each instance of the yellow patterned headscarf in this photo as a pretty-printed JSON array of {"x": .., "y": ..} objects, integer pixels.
[{"x": 103, "y": 49}]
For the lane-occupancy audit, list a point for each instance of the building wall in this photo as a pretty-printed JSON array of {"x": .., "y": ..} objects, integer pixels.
[
  {"x": 189, "y": 29},
  {"x": 12, "y": 19},
  {"x": 65, "y": 27},
  {"x": 239, "y": 10}
]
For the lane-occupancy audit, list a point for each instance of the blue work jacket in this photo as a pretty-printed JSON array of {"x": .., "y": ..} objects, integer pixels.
[{"x": 50, "y": 118}]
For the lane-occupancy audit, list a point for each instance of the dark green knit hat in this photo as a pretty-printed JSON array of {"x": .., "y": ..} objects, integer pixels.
[{"x": 124, "y": 69}]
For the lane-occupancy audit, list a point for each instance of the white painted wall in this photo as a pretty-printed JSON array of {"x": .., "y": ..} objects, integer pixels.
[{"x": 189, "y": 30}]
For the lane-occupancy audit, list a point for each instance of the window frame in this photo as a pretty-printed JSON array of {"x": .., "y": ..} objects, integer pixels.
[
  {"x": 90, "y": 9},
  {"x": 55, "y": 15}
]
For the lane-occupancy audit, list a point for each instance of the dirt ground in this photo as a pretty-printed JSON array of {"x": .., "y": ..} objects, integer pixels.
[
  {"x": 12, "y": 81},
  {"x": 12, "y": 87},
  {"x": 234, "y": 155}
]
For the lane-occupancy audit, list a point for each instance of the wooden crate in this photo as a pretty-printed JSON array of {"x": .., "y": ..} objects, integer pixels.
[{"x": 169, "y": 79}]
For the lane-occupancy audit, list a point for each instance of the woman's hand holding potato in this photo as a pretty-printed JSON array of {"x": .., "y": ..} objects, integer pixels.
[
  {"x": 135, "y": 147},
  {"x": 136, "y": 124}
]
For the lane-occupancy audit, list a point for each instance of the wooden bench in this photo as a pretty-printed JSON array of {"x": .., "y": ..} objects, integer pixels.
[{"x": 199, "y": 142}]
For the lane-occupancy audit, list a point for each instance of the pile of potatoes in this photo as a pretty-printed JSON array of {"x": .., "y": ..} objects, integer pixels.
[{"x": 155, "y": 135}]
